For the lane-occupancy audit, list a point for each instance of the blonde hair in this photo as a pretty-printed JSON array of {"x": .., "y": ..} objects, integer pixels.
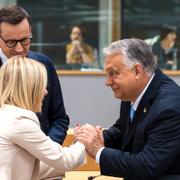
[{"x": 22, "y": 83}]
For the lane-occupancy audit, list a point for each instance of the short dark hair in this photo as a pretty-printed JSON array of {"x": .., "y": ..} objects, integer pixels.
[
  {"x": 165, "y": 30},
  {"x": 13, "y": 15}
]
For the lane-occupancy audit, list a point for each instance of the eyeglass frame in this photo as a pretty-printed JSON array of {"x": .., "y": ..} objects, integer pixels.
[{"x": 16, "y": 41}]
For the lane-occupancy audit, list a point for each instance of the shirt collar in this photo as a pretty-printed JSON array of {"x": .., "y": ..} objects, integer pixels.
[
  {"x": 136, "y": 103},
  {"x": 3, "y": 56}
]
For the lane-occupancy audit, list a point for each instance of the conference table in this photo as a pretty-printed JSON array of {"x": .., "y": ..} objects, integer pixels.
[{"x": 83, "y": 175}]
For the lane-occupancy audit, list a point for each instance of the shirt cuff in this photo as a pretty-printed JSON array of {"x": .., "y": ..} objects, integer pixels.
[{"x": 98, "y": 154}]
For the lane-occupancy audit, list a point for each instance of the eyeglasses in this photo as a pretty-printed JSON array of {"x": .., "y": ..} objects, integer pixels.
[{"x": 13, "y": 43}]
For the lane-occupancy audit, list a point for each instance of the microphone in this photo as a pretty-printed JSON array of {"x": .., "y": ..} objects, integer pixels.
[{"x": 93, "y": 177}]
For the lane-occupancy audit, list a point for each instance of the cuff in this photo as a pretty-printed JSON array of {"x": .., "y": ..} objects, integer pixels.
[{"x": 98, "y": 154}]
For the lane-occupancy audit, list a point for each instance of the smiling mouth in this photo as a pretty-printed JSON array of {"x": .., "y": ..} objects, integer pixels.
[{"x": 115, "y": 89}]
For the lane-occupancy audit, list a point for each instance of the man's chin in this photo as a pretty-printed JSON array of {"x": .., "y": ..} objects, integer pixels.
[{"x": 117, "y": 96}]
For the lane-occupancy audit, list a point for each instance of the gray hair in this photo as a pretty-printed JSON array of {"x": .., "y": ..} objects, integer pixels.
[{"x": 134, "y": 51}]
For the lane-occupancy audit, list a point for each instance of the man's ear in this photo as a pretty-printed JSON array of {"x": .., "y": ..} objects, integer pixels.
[{"x": 138, "y": 70}]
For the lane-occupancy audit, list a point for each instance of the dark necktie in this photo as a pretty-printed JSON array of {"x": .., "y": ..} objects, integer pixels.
[{"x": 0, "y": 62}]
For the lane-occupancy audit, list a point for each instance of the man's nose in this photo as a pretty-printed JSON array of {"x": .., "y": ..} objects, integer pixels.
[
  {"x": 18, "y": 48},
  {"x": 108, "y": 82}
]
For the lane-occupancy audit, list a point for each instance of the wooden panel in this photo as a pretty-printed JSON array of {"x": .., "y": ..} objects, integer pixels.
[
  {"x": 78, "y": 72},
  {"x": 103, "y": 73}
]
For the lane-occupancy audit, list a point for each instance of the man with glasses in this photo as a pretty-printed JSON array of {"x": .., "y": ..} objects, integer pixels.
[
  {"x": 15, "y": 39},
  {"x": 12, "y": 43}
]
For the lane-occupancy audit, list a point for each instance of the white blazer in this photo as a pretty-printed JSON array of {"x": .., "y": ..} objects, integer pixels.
[{"x": 23, "y": 144}]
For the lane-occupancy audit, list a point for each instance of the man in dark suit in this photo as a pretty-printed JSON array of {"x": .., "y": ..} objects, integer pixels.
[
  {"x": 144, "y": 143},
  {"x": 15, "y": 39}
]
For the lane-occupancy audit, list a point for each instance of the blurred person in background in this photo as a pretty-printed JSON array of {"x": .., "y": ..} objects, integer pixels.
[
  {"x": 77, "y": 51},
  {"x": 164, "y": 50}
]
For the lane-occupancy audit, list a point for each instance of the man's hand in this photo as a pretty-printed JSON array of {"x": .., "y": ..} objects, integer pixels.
[{"x": 91, "y": 137}]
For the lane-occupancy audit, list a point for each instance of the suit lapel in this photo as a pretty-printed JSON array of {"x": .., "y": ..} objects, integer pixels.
[
  {"x": 132, "y": 126},
  {"x": 143, "y": 108}
]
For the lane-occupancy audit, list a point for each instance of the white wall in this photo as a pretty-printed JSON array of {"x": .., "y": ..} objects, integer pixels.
[{"x": 88, "y": 100}]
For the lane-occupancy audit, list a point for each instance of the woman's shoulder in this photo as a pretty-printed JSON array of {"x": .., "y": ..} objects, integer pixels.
[{"x": 18, "y": 113}]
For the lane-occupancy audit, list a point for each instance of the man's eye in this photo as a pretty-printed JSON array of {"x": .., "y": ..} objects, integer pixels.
[
  {"x": 11, "y": 42},
  {"x": 111, "y": 73}
]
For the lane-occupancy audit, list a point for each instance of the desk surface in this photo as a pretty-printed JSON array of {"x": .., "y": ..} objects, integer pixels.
[{"x": 83, "y": 175}]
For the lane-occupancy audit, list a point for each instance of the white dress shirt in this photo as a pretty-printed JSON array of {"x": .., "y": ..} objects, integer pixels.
[{"x": 3, "y": 57}]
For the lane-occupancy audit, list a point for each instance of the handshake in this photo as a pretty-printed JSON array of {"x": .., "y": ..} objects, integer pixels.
[{"x": 91, "y": 137}]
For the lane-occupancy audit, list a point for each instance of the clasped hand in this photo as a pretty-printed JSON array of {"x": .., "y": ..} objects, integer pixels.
[{"x": 91, "y": 137}]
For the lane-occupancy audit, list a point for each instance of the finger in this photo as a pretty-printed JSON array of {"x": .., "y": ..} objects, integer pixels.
[{"x": 99, "y": 127}]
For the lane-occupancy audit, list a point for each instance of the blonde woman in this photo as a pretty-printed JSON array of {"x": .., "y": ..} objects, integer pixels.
[{"x": 23, "y": 145}]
